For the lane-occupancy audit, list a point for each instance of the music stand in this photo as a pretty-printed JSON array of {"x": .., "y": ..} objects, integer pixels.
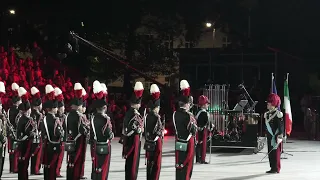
[{"x": 240, "y": 105}]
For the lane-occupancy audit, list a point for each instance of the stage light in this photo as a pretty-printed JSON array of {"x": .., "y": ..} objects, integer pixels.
[
  {"x": 11, "y": 11},
  {"x": 165, "y": 132},
  {"x": 208, "y": 25}
]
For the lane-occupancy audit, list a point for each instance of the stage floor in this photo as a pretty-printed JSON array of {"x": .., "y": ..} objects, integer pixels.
[{"x": 303, "y": 165}]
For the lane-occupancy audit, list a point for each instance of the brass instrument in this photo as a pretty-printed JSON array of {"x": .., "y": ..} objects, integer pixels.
[
  {"x": 35, "y": 131},
  {"x": 84, "y": 123},
  {"x": 9, "y": 126},
  {"x": 138, "y": 123},
  {"x": 58, "y": 124},
  {"x": 193, "y": 121}
]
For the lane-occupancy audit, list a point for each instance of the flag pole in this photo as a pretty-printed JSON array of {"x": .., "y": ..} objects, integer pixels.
[
  {"x": 285, "y": 131},
  {"x": 272, "y": 77}
]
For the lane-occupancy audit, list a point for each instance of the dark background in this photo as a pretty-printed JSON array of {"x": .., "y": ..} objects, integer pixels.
[{"x": 289, "y": 27}]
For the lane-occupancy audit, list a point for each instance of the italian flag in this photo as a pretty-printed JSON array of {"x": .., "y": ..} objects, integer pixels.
[{"x": 287, "y": 107}]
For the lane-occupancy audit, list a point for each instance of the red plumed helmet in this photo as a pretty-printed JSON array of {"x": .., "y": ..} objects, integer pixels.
[
  {"x": 155, "y": 91},
  {"x": 274, "y": 100},
  {"x": 185, "y": 87},
  {"x": 58, "y": 94},
  {"x": 202, "y": 100},
  {"x": 99, "y": 95},
  {"x": 138, "y": 89},
  {"x": 35, "y": 92},
  {"x": 97, "y": 90},
  {"x": 49, "y": 90},
  {"x": 78, "y": 90},
  {"x": 2, "y": 89},
  {"x": 23, "y": 94}
]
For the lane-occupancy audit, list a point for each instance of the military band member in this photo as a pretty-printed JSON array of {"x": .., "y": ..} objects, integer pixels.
[
  {"x": 53, "y": 135},
  {"x": 62, "y": 117},
  {"x": 133, "y": 128},
  {"x": 186, "y": 128},
  {"x": 76, "y": 135},
  {"x": 154, "y": 132},
  {"x": 3, "y": 131},
  {"x": 37, "y": 117},
  {"x": 101, "y": 136},
  {"x": 104, "y": 91},
  {"x": 203, "y": 123},
  {"x": 25, "y": 133},
  {"x": 83, "y": 111},
  {"x": 12, "y": 114},
  {"x": 275, "y": 128},
  {"x": 98, "y": 95}
]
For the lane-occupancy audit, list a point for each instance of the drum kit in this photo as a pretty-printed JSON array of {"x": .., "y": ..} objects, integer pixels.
[
  {"x": 238, "y": 125},
  {"x": 236, "y": 121}
]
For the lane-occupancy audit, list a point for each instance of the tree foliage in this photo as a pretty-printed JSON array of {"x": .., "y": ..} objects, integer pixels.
[{"x": 154, "y": 27}]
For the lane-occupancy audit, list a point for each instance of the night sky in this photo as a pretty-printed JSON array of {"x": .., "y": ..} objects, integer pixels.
[{"x": 287, "y": 24}]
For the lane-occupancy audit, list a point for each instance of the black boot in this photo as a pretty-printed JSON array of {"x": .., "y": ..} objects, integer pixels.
[{"x": 272, "y": 172}]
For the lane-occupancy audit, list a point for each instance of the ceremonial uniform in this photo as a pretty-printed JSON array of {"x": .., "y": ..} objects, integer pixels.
[
  {"x": 3, "y": 137},
  {"x": 186, "y": 128},
  {"x": 203, "y": 124},
  {"x": 133, "y": 128},
  {"x": 12, "y": 114},
  {"x": 87, "y": 123},
  {"x": 25, "y": 133},
  {"x": 37, "y": 143},
  {"x": 76, "y": 136},
  {"x": 154, "y": 132},
  {"x": 3, "y": 132},
  {"x": 101, "y": 135},
  {"x": 275, "y": 128},
  {"x": 54, "y": 133},
  {"x": 62, "y": 118}
]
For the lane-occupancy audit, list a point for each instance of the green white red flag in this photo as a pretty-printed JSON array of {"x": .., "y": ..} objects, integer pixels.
[{"x": 287, "y": 107}]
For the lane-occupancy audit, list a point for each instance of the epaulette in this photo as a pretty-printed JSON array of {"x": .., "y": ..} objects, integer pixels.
[
  {"x": 136, "y": 112},
  {"x": 158, "y": 116},
  {"x": 190, "y": 113},
  {"x": 106, "y": 116},
  {"x": 279, "y": 114},
  {"x": 265, "y": 115}
]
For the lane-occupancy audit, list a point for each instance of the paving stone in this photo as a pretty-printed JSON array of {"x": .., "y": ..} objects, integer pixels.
[{"x": 303, "y": 165}]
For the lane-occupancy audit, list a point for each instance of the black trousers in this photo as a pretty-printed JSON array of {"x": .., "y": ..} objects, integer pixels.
[
  {"x": 201, "y": 147},
  {"x": 36, "y": 158},
  {"x": 51, "y": 167},
  {"x": 23, "y": 164},
  {"x": 76, "y": 160},
  {"x": 2, "y": 159},
  {"x": 101, "y": 162},
  {"x": 13, "y": 157},
  {"x": 133, "y": 159},
  {"x": 274, "y": 156},
  {"x": 185, "y": 161},
  {"x": 154, "y": 161}
]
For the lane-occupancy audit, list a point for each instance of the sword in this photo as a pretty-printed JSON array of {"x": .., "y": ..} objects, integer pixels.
[
  {"x": 164, "y": 124},
  {"x": 279, "y": 141}
]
